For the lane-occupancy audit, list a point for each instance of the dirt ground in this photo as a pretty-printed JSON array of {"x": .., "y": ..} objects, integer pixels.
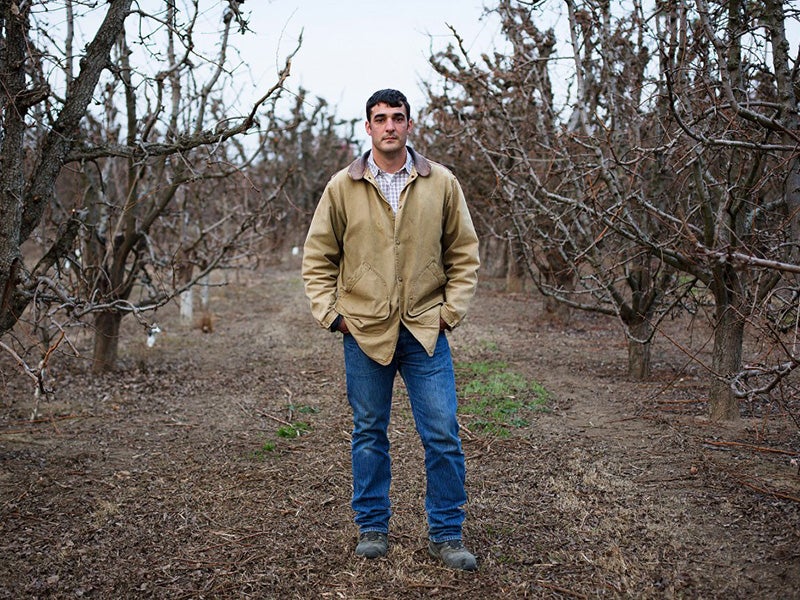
[{"x": 178, "y": 476}]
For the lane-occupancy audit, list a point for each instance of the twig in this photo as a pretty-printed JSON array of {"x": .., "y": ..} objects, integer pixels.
[
  {"x": 236, "y": 541},
  {"x": 697, "y": 401},
  {"x": 279, "y": 420},
  {"x": 765, "y": 491},
  {"x": 750, "y": 447},
  {"x": 50, "y": 420},
  {"x": 21, "y": 362}
]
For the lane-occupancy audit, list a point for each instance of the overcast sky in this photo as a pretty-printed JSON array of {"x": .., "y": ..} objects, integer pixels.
[{"x": 351, "y": 48}]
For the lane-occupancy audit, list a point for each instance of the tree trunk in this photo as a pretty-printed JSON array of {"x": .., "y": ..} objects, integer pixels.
[
  {"x": 726, "y": 362},
  {"x": 205, "y": 293},
  {"x": 494, "y": 256},
  {"x": 12, "y": 148},
  {"x": 556, "y": 311},
  {"x": 636, "y": 316},
  {"x": 187, "y": 306},
  {"x": 558, "y": 277},
  {"x": 639, "y": 350},
  {"x": 184, "y": 273},
  {"x": 106, "y": 341},
  {"x": 513, "y": 269}
]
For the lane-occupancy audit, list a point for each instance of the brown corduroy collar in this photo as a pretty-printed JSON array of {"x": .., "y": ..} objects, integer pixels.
[{"x": 358, "y": 167}]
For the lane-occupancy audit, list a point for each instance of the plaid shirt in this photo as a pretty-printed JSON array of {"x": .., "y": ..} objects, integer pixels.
[{"x": 391, "y": 184}]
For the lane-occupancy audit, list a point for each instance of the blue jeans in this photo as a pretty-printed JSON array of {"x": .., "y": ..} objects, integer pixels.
[{"x": 431, "y": 387}]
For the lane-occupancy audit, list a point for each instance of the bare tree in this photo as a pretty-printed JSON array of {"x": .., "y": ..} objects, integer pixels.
[
  {"x": 669, "y": 181},
  {"x": 155, "y": 134},
  {"x": 735, "y": 157},
  {"x": 310, "y": 145},
  {"x": 559, "y": 181}
]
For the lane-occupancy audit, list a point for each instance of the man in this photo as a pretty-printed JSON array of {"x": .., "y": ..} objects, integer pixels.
[{"x": 391, "y": 261}]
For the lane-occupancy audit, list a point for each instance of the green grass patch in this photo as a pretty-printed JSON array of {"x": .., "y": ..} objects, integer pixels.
[
  {"x": 293, "y": 430},
  {"x": 266, "y": 449},
  {"x": 498, "y": 398},
  {"x": 289, "y": 431},
  {"x": 303, "y": 409},
  {"x": 489, "y": 345}
]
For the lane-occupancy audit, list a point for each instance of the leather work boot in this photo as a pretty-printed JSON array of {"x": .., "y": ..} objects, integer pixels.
[
  {"x": 453, "y": 554},
  {"x": 372, "y": 544}
]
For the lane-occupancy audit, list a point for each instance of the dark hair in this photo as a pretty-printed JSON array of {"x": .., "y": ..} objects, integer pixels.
[{"x": 390, "y": 97}]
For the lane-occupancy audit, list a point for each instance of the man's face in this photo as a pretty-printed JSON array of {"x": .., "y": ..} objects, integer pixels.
[{"x": 388, "y": 127}]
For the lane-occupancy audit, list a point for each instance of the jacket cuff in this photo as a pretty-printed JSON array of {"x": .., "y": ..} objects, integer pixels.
[{"x": 449, "y": 317}]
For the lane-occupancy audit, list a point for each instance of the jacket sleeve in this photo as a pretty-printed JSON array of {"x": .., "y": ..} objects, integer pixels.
[
  {"x": 459, "y": 256},
  {"x": 322, "y": 254}
]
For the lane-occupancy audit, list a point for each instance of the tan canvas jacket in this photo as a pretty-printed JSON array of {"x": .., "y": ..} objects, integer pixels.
[{"x": 378, "y": 269}]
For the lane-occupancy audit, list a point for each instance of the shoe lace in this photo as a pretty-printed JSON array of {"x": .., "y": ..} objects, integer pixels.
[{"x": 455, "y": 544}]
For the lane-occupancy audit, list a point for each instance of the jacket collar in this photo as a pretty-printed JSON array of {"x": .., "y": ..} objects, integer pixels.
[{"x": 359, "y": 167}]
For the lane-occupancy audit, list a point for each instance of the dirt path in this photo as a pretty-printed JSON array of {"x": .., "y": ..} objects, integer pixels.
[{"x": 178, "y": 477}]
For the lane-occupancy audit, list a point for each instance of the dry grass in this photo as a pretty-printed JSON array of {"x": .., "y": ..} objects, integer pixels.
[{"x": 169, "y": 478}]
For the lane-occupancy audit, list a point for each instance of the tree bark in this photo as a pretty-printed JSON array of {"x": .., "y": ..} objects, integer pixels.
[
  {"x": 61, "y": 137},
  {"x": 514, "y": 269},
  {"x": 639, "y": 350},
  {"x": 106, "y": 341},
  {"x": 558, "y": 277},
  {"x": 726, "y": 362},
  {"x": 12, "y": 135}
]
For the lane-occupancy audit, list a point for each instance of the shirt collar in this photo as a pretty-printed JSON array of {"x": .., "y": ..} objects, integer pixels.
[{"x": 376, "y": 170}]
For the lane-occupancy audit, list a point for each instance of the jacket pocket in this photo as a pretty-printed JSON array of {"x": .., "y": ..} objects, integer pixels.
[
  {"x": 364, "y": 295},
  {"x": 428, "y": 289}
]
